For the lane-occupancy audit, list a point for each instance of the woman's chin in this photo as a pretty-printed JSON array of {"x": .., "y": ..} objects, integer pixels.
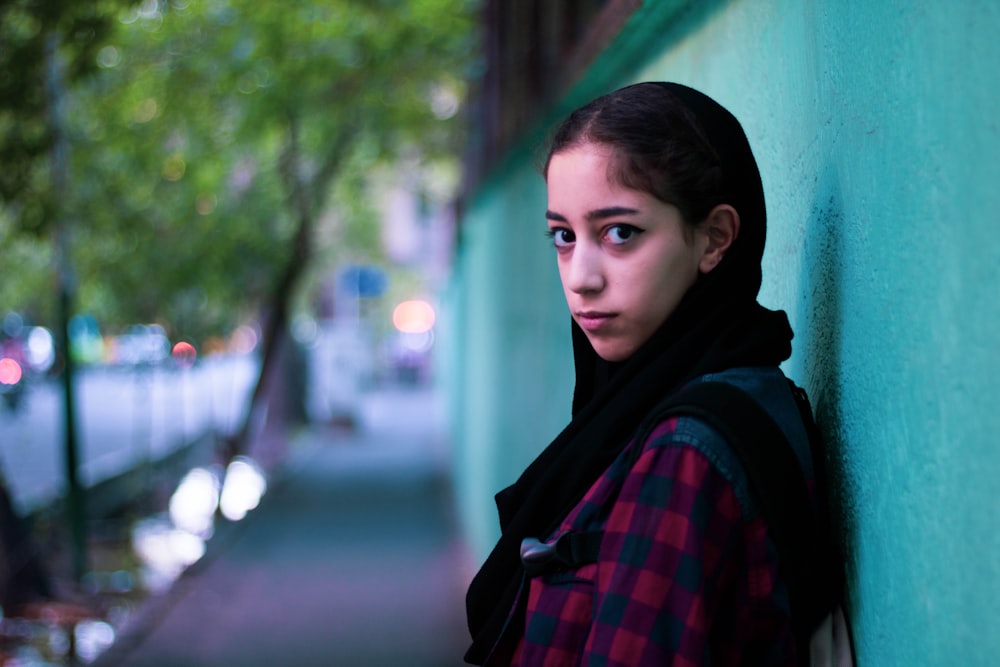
[{"x": 612, "y": 351}]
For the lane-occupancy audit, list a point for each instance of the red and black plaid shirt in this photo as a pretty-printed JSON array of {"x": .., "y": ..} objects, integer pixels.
[{"x": 686, "y": 574}]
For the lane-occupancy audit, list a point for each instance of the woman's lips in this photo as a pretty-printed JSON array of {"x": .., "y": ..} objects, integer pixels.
[{"x": 592, "y": 320}]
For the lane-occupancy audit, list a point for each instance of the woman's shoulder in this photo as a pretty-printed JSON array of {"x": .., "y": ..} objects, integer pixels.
[
  {"x": 769, "y": 388},
  {"x": 694, "y": 433}
]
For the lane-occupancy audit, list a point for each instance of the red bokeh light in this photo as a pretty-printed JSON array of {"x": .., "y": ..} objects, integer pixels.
[
  {"x": 10, "y": 371},
  {"x": 184, "y": 354}
]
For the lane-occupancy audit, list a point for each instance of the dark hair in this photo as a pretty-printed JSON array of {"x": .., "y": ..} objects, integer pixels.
[
  {"x": 684, "y": 148},
  {"x": 659, "y": 147}
]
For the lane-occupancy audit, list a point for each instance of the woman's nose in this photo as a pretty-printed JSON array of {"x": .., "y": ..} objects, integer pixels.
[{"x": 584, "y": 271}]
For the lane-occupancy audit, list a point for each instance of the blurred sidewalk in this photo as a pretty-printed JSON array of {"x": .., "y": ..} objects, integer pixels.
[{"x": 353, "y": 558}]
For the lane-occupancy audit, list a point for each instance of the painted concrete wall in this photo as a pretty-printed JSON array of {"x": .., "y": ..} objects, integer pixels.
[
  {"x": 877, "y": 131},
  {"x": 514, "y": 375}
]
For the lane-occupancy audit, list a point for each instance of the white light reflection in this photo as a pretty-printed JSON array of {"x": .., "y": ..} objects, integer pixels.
[
  {"x": 41, "y": 351},
  {"x": 242, "y": 490},
  {"x": 165, "y": 551},
  {"x": 244, "y": 340},
  {"x": 444, "y": 101},
  {"x": 92, "y": 638},
  {"x": 417, "y": 342},
  {"x": 193, "y": 504},
  {"x": 167, "y": 545}
]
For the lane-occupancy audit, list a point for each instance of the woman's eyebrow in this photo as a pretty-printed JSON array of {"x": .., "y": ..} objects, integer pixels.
[
  {"x": 610, "y": 212},
  {"x": 596, "y": 214}
]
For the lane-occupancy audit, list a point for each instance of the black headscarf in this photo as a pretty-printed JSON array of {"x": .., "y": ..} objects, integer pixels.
[{"x": 718, "y": 325}]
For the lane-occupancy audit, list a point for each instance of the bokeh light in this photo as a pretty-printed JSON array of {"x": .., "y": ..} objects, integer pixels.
[
  {"x": 244, "y": 340},
  {"x": 193, "y": 504},
  {"x": 92, "y": 637},
  {"x": 417, "y": 342},
  {"x": 165, "y": 551},
  {"x": 415, "y": 316},
  {"x": 184, "y": 354},
  {"x": 243, "y": 488},
  {"x": 41, "y": 350},
  {"x": 10, "y": 371}
]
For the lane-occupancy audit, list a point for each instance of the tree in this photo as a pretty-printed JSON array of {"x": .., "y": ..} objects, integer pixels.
[
  {"x": 27, "y": 198},
  {"x": 212, "y": 143},
  {"x": 192, "y": 122},
  {"x": 25, "y": 133},
  {"x": 39, "y": 43}
]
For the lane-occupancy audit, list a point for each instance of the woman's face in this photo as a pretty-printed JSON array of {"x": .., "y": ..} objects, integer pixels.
[{"x": 624, "y": 258}]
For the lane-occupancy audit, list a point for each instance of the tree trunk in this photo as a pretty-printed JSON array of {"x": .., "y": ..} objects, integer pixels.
[
  {"x": 305, "y": 199},
  {"x": 75, "y": 511},
  {"x": 276, "y": 314},
  {"x": 23, "y": 578}
]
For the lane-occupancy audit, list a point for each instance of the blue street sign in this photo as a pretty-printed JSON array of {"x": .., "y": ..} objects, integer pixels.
[{"x": 363, "y": 281}]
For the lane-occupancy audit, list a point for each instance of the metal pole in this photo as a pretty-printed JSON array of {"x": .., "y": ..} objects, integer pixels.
[{"x": 64, "y": 284}]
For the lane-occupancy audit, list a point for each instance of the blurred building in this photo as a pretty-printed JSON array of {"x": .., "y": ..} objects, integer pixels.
[{"x": 352, "y": 344}]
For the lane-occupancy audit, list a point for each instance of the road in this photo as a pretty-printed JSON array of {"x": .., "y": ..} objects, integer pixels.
[{"x": 124, "y": 416}]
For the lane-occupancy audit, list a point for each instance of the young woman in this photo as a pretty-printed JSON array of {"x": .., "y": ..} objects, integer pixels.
[{"x": 656, "y": 212}]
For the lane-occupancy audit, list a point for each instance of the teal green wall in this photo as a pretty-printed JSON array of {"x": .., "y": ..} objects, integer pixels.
[
  {"x": 513, "y": 376},
  {"x": 877, "y": 130}
]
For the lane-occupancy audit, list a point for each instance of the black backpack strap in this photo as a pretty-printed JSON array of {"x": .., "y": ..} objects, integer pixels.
[{"x": 777, "y": 483}]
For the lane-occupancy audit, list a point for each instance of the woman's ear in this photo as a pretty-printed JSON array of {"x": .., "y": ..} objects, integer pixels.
[{"x": 720, "y": 228}]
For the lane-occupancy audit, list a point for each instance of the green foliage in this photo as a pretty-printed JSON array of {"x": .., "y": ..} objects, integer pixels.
[
  {"x": 26, "y": 29},
  {"x": 213, "y": 132}
]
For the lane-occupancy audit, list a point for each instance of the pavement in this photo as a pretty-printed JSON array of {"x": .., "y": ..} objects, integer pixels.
[{"x": 353, "y": 558}]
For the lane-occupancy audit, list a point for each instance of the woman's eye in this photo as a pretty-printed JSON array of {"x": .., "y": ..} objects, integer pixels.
[
  {"x": 561, "y": 237},
  {"x": 619, "y": 234}
]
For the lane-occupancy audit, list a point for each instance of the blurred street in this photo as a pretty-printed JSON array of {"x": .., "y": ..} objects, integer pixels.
[
  {"x": 353, "y": 558},
  {"x": 126, "y": 416}
]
